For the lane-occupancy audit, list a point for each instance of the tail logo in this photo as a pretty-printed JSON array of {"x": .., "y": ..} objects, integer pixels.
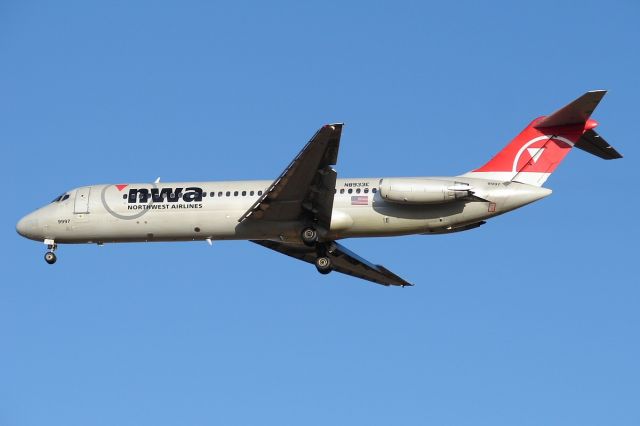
[{"x": 535, "y": 153}]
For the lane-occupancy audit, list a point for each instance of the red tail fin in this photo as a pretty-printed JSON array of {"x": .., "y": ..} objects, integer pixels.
[{"x": 535, "y": 153}]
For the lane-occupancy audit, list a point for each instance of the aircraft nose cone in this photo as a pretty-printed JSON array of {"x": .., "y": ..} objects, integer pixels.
[
  {"x": 21, "y": 227},
  {"x": 27, "y": 226}
]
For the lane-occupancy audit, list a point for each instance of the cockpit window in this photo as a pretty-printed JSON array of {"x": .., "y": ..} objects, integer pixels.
[{"x": 60, "y": 198}]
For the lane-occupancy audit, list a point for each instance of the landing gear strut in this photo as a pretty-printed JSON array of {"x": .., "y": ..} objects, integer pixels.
[{"x": 50, "y": 256}]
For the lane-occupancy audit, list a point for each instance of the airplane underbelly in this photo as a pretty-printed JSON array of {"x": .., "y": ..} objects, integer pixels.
[{"x": 172, "y": 226}]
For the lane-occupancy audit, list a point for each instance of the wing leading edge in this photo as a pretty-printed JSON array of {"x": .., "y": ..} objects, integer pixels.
[
  {"x": 306, "y": 186},
  {"x": 343, "y": 260}
]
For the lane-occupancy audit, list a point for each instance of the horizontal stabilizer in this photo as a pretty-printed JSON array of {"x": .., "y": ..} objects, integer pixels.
[
  {"x": 577, "y": 112},
  {"x": 593, "y": 143}
]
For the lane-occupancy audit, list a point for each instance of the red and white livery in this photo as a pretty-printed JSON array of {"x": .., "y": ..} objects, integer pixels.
[{"x": 307, "y": 210}]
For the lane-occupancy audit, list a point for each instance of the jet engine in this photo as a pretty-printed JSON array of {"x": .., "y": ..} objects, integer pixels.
[{"x": 423, "y": 191}]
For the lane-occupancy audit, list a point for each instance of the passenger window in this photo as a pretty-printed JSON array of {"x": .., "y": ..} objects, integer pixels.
[
  {"x": 259, "y": 192},
  {"x": 219, "y": 193},
  {"x": 358, "y": 191},
  {"x": 244, "y": 193},
  {"x": 235, "y": 193},
  {"x": 366, "y": 190},
  {"x": 251, "y": 193},
  {"x": 212, "y": 194},
  {"x": 228, "y": 193},
  {"x": 204, "y": 194},
  {"x": 350, "y": 191},
  {"x": 342, "y": 191},
  {"x": 374, "y": 190}
]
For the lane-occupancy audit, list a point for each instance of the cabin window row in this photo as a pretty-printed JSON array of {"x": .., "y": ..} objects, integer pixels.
[
  {"x": 232, "y": 193},
  {"x": 204, "y": 194},
  {"x": 250, "y": 193},
  {"x": 358, "y": 191}
]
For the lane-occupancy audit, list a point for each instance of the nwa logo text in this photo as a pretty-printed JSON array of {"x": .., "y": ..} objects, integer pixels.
[{"x": 158, "y": 195}]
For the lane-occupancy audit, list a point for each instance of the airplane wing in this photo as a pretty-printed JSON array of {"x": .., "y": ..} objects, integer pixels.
[
  {"x": 342, "y": 260},
  {"x": 307, "y": 185}
]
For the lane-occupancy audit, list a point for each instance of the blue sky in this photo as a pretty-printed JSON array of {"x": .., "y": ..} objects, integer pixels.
[{"x": 532, "y": 319}]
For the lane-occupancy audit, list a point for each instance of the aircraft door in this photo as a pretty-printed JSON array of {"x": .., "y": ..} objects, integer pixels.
[{"x": 81, "y": 204}]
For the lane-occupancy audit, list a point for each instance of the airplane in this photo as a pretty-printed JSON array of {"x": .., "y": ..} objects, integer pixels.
[{"x": 306, "y": 210}]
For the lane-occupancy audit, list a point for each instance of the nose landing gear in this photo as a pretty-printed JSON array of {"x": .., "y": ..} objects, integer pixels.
[{"x": 50, "y": 256}]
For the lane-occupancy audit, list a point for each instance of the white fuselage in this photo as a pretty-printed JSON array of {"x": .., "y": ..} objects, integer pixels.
[{"x": 110, "y": 213}]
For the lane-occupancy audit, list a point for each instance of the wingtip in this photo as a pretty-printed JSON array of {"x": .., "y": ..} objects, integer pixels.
[{"x": 598, "y": 94}]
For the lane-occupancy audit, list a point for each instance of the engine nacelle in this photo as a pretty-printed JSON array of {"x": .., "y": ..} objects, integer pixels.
[{"x": 423, "y": 191}]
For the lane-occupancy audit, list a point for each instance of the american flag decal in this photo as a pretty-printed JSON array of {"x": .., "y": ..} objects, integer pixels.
[{"x": 360, "y": 200}]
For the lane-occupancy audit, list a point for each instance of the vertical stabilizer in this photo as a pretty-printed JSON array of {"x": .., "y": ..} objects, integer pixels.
[{"x": 535, "y": 153}]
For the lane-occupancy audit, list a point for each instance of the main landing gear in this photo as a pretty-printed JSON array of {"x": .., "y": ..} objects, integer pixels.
[
  {"x": 50, "y": 256},
  {"x": 309, "y": 237},
  {"x": 323, "y": 264}
]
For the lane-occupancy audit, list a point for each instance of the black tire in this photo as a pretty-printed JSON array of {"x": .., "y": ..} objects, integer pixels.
[
  {"x": 324, "y": 272},
  {"x": 309, "y": 236},
  {"x": 323, "y": 264},
  {"x": 50, "y": 257}
]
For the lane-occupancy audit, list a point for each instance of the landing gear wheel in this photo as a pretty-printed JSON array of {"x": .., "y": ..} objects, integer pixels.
[
  {"x": 323, "y": 264},
  {"x": 50, "y": 257},
  {"x": 325, "y": 272},
  {"x": 309, "y": 236}
]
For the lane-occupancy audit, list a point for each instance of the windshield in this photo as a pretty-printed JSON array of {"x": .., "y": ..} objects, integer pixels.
[{"x": 60, "y": 198}]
